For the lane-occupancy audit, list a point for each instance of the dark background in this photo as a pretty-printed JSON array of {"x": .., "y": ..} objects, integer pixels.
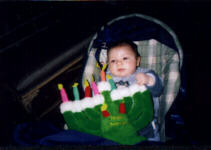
[{"x": 57, "y": 25}]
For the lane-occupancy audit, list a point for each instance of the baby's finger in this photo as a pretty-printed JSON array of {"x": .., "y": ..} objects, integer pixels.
[{"x": 140, "y": 82}]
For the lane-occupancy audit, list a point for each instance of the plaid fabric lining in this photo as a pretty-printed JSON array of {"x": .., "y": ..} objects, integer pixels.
[{"x": 158, "y": 57}]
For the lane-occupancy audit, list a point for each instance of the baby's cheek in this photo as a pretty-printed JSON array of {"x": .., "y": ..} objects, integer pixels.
[{"x": 112, "y": 69}]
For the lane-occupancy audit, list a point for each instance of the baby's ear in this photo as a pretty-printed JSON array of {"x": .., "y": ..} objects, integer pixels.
[{"x": 138, "y": 60}]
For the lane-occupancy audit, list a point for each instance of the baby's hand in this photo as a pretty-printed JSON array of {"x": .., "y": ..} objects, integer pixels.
[{"x": 144, "y": 79}]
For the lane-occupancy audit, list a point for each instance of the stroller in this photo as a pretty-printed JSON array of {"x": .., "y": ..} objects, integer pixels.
[{"x": 160, "y": 51}]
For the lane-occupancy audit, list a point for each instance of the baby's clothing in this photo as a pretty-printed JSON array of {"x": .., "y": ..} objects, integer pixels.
[
  {"x": 151, "y": 131},
  {"x": 155, "y": 89}
]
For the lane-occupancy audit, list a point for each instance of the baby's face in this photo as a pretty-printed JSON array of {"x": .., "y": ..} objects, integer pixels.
[{"x": 122, "y": 61}]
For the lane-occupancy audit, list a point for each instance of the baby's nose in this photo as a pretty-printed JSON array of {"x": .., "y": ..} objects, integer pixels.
[{"x": 119, "y": 62}]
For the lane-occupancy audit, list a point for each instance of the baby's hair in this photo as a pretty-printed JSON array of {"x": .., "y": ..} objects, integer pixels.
[{"x": 124, "y": 43}]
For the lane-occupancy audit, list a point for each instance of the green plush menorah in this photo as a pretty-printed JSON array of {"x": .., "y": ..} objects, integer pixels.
[{"x": 114, "y": 113}]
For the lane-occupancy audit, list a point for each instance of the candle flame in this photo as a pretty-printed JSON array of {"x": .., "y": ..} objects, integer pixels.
[
  {"x": 86, "y": 83},
  {"x": 108, "y": 76},
  {"x": 104, "y": 66},
  {"x": 75, "y": 84},
  {"x": 97, "y": 65},
  {"x": 93, "y": 79},
  {"x": 60, "y": 86},
  {"x": 104, "y": 107}
]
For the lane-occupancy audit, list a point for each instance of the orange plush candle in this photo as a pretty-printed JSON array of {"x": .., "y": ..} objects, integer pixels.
[{"x": 103, "y": 74}]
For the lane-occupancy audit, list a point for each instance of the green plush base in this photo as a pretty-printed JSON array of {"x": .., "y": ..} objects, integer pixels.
[{"x": 120, "y": 128}]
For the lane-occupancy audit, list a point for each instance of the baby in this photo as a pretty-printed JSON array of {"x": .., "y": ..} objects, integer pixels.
[{"x": 123, "y": 62}]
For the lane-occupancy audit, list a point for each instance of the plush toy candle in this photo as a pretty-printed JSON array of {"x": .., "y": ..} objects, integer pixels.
[
  {"x": 75, "y": 91},
  {"x": 94, "y": 87},
  {"x": 63, "y": 93},
  {"x": 87, "y": 89},
  {"x": 102, "y": 73},
  {"x": 104, "y": 110},
  {"x": 111, "y": 82}
]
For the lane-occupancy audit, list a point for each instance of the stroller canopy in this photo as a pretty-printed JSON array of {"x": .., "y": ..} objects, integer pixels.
[{"x": 136, "y": 27}]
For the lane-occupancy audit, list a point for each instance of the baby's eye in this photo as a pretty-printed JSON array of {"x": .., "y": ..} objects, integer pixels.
[
  {"x": 125, "y": 58},
  {"x": 112, "y": 61}
]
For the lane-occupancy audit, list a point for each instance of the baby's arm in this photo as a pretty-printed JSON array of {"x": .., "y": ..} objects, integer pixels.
[{"x": 152, "y": 81}]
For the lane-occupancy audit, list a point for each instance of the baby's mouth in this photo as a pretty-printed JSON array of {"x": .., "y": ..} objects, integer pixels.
[{"x": 121, "y": 70}]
